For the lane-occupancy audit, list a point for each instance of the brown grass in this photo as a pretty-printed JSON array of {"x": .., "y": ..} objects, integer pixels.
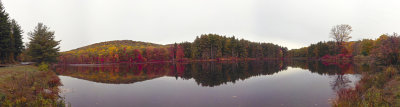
[{"x": 25, "y": 85}]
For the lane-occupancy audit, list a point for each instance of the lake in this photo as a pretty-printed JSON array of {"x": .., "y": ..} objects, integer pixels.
[{"x": 199, "y": 84}]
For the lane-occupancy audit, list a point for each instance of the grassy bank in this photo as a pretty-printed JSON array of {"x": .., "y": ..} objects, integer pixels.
[
  {"x": 379, "y": 89},
  {"x": 28, "y": 86}
]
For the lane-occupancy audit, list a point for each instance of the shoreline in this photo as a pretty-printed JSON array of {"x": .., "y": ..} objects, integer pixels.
[{"x": 179, "y": 61}]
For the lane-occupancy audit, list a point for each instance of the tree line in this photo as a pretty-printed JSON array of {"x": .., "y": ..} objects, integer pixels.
[
  {"x": 11, "y": 44},
  {"x": 42, "y": 46},
  {"x": 213, "y": 46},
  {"x": 383, "y": 50},
  {"x": 205, "y": 47}
]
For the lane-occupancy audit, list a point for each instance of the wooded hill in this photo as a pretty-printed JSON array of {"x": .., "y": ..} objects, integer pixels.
[
  {"x": 117, "y": 43},
  {"x": 205, "y": 47}
]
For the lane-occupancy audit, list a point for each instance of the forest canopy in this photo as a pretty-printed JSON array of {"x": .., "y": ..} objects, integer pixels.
[{"x": 204, "y": 47}]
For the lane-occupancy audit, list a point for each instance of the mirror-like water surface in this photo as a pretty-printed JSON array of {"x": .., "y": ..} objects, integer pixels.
[{"x": 255, "y": 83}]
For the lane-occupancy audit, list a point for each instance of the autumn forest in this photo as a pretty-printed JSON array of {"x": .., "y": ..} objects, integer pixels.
[
  {"x": 206, "y": 47},
  {"x": 210, "y": 47},
  {"x": 212, "y": 70}
]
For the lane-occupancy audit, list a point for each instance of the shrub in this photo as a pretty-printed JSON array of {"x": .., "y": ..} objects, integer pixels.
[
  {"x": 43, "y": 67},
  {"x": 391, "y": 71},
  {"x": 370, "y": 91}
]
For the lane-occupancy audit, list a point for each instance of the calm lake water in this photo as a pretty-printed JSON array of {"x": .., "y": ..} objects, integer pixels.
[{"x": 220, "y": 84}]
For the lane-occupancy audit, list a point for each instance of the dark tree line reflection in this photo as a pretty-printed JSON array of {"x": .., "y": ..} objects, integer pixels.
[
  {"x": 336, "y": 70},
  {"x": 207, "y": 74},
  {"x": 214, "y": 73}
]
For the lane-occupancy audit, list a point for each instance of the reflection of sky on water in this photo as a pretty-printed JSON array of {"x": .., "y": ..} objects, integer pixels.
[{"x": 291, "y": 87}]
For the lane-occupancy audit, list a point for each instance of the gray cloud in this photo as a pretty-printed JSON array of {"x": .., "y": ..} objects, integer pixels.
[{"x": 291, "y": 23}]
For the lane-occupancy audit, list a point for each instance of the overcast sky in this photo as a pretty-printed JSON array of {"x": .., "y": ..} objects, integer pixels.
[{"x": 290, "y": 23}]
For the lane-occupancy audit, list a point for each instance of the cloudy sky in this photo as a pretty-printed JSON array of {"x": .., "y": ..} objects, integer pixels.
[{"x": 290, "y": 23}]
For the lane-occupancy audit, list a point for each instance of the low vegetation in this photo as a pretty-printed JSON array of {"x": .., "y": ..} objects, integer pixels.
[
  {"x": 375, "y": 89},
  {"x": 27, "y": 86}
]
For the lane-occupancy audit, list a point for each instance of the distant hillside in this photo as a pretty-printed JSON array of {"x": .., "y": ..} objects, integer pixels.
[
  {"x": 117, "y": 51},
  {"x": 205, "y": 47},
  {"x": 118, "y": 43}
]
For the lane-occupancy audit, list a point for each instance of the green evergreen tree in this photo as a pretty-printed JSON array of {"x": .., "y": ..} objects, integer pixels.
[
  {"x": 43, "y": 47},
  {"x": 16, "y": 35},
  {"x": 5, "y": 38}
]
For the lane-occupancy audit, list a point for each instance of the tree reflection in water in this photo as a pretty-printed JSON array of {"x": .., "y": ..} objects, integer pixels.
[
  {"x": 340, "y": 82},
  {"x": 207, "y": 74}
]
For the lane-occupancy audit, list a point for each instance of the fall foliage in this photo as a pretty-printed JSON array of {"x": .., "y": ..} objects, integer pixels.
[
  {"x": 383, "y": 50},
  {"x": 205, "y": 47}
]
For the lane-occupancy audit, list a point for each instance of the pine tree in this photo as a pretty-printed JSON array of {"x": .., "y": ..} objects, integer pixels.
[
  {"x": 16, "y": 35},
  {"x": 43, "y": 47},
  {"x": 5, "y": 38}
]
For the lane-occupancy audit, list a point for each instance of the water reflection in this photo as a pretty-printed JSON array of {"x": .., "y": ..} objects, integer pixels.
[
  {"x": 252, "y": 83},
  {"x": 205, "y": 73}
]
